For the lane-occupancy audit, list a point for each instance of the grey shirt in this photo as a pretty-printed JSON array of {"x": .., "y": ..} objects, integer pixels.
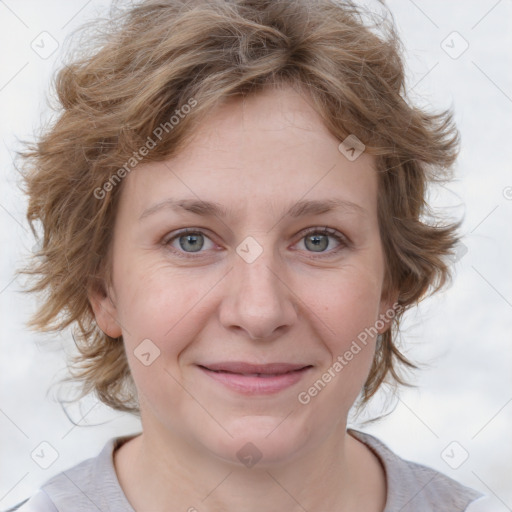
[{"x": 92, "y": 485}]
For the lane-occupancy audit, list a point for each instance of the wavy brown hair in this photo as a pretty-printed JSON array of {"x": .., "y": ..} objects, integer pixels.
[{"x": 133, "y": 71}]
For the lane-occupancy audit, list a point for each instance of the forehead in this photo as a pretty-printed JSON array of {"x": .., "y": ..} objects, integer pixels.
[{"x": 260, "y": 153}]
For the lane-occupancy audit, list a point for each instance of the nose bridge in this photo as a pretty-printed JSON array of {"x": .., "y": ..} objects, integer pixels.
[
  {"x": 258, "y": 301},
  {"x": 258, "y": 278}
]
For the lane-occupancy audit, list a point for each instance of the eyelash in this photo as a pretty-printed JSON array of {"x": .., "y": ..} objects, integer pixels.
[{"x": 343, "y": 241}]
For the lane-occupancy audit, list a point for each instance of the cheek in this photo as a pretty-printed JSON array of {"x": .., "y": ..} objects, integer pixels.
[
  {"x": 347, "y": 309},
  {"x": 160, "y": 303},
  {"x": 165, "y": 306},
  {"x": 348, "y": 303}
]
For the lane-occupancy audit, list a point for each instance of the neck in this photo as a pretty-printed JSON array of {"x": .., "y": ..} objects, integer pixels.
[{"x": 156, "y": 469}]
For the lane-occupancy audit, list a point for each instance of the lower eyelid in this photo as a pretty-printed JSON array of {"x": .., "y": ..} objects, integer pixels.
[
  {"x": 168, "y": 241},
  {"x": 342, "y": 241}
]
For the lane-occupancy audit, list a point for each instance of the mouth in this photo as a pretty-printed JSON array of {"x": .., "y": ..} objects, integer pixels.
[{"x": 253, "y": 379}]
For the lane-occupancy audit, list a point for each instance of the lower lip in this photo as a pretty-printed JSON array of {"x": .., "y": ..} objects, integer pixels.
[{"x": 253, "y": 385}]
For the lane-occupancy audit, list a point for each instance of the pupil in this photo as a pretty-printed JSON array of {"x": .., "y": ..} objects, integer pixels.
[
  {"x": 194, "y": 244},
  {"x": 318, "y": 241}
]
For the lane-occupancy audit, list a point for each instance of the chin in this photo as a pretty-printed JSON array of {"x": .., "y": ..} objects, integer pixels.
[{"x": 262, "y": 441}]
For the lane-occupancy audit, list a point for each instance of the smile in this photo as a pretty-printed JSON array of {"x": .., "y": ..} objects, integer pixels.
[{"x": 251, "y": 379}]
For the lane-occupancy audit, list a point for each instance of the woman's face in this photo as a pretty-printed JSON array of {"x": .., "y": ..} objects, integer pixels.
[{"x": 257, "y": 280}]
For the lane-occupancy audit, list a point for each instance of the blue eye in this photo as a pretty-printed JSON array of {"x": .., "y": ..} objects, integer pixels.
[
  {"x": 190, "y": 242},
  {"x": 194, "y": 242},
  {"x": 317, "y": 240}
]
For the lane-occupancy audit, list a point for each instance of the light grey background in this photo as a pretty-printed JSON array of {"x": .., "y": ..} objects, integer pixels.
[{"x": 464, "y": 333}]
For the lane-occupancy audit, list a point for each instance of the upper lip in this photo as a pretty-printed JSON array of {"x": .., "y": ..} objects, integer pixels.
[{"x": 249, "y": 368}]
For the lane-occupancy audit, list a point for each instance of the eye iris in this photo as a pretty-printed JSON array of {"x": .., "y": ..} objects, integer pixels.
[
  {"x": 318, "y": 241},
  {"x": 195, "y": 242}
]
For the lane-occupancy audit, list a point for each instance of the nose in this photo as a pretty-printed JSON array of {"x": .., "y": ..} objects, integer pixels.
[{"x": 258, "y": 300}]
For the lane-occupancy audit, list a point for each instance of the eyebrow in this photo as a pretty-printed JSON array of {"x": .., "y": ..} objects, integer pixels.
[{"x": 298, "y": 209}]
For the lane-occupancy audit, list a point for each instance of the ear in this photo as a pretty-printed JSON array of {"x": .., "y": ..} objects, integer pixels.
[
  {"x": 105, "y": 310},
  {"x": 387, "y": 310}
]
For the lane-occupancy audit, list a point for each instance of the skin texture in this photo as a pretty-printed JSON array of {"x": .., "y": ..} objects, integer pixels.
[{"x": 256, "y": 158}]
